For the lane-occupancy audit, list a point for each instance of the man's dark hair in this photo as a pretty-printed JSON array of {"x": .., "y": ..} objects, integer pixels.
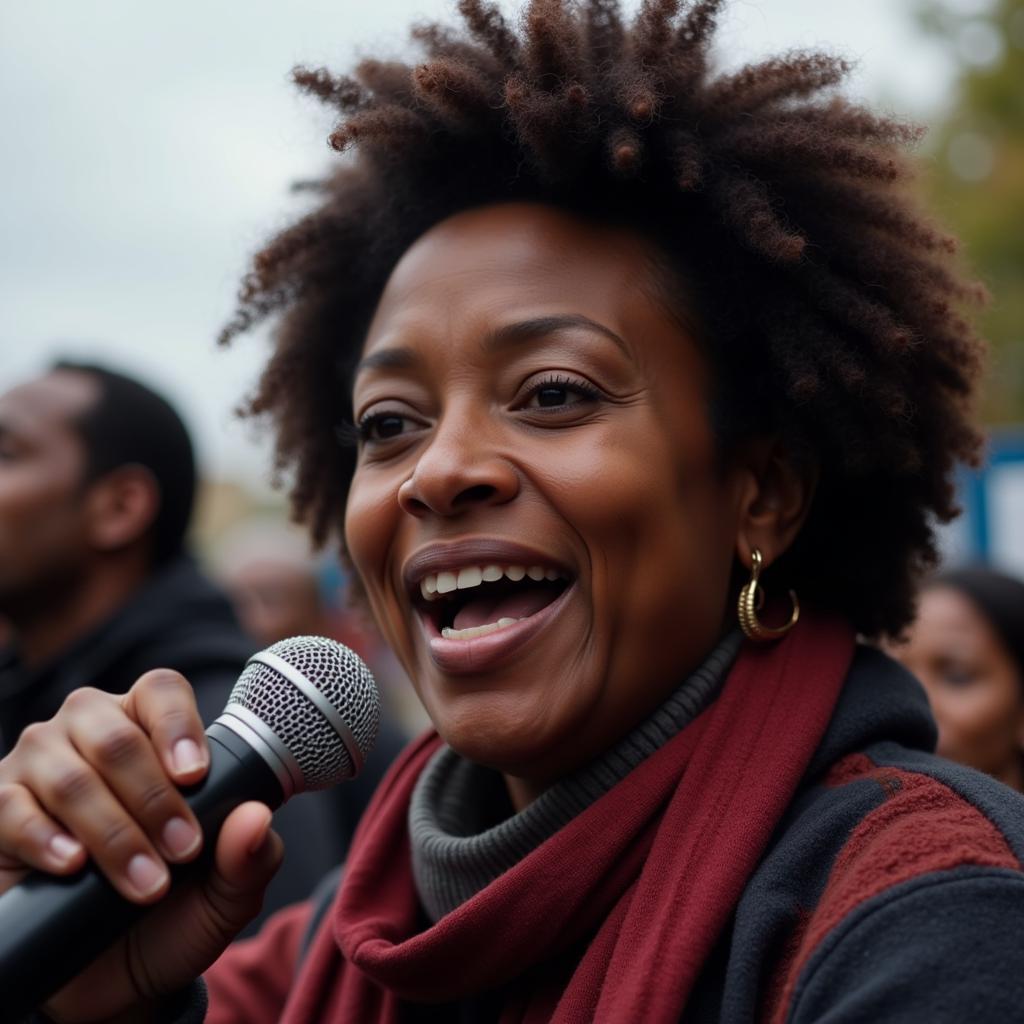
[
  {"x": 828, "y": 305},
  {"x": 131, "y": 424}
]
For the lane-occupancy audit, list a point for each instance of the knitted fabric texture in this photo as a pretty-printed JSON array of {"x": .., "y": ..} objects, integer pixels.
[{"x": 456, "y": 852}]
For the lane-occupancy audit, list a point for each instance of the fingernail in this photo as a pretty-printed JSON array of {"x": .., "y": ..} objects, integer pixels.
[
  {"x": 179, "y": 837},
  {"x": 187, "y": 756},
  {"x": 63, "y": 847},
  {"x": 145, "y": 874},
  {"x": 257, "y": 845}
]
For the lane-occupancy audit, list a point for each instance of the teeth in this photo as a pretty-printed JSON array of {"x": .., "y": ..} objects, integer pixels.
[
  {"x": 471, "y": 577},
  {"x": 436, "y": 584},
  {"x": 467, "y": 634}
]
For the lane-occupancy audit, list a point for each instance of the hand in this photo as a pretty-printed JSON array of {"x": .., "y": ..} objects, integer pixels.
[{"x": 100, "y": 780}]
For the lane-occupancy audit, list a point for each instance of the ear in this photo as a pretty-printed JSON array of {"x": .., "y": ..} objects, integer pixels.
[
  {"x": 121, "y": 507},
  {"x": 775, "y": 497}
]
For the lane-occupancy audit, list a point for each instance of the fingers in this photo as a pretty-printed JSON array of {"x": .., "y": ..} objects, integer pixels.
[
  {"x": 163, "y": 704},
  {"x": 30, "y": 837},
  {"x": 127, "y": 777},
  {"x": 99, "y": 779},
  {"x": 71, "y": 790}
]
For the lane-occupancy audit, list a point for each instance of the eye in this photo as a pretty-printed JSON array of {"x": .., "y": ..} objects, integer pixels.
[
  {"x": 957, "y": 676},
  {"x": 384, "y": 426},
  {"x": 560, "y": 392}
]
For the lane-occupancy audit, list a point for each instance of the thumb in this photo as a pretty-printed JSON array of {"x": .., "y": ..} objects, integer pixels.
[
  {"x": 212, "y": 912},
  {"x": 248, "y": 854},
  {"x": 182, "y": 935}
]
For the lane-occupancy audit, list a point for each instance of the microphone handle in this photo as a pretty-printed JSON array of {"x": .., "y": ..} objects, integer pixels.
[{"x": 52, "y": 927}]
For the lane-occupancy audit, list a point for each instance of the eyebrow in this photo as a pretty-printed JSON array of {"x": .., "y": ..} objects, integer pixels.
[
  {"x": 503, "y": 337},
  {"x": 387, "y": 359},
  {"x": 526, "y": 330}
]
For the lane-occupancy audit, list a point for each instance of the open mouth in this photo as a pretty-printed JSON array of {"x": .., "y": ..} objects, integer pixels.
[{"x": 475, "y": 600}]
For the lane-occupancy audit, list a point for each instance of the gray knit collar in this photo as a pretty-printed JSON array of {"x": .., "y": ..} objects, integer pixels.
[{"x": 461, "y": 825}]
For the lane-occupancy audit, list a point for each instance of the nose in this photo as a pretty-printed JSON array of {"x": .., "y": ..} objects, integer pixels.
[{"x": 459, "y": 470}]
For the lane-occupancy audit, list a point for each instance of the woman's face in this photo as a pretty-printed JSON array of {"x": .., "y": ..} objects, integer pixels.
[
  {"x": 973, "y": 685},
  {"x": 528, "y": 406}
]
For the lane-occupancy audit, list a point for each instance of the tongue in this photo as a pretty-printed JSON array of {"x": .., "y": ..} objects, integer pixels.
[{"x": 525, "y": 601}]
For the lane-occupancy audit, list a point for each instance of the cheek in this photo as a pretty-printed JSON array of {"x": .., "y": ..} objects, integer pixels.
[
  {"x": 997, "y": 713},
  {"x": 36, "y": 516},
  {"x": 659, "y": 528},
  {"x": 21, "y": 500},
  {"x": 985, "y": 720},
  {"x": 372, "y": 519}
]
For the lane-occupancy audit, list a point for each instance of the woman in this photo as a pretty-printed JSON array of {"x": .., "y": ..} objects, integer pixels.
[
  {"x": 586, "y": 351},
  {"x": 967, "y": 647}
]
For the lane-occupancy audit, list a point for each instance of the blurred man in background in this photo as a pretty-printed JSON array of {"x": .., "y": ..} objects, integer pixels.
[
  {"x": 97, "y": 481},
  {"x": 97, "y": 485}
]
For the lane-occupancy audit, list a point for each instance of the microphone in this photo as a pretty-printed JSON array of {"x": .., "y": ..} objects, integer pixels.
[{"x": 303, "y": 715}]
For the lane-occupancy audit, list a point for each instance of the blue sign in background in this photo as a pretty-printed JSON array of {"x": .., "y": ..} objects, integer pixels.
[{"x": 991, "y": 528}]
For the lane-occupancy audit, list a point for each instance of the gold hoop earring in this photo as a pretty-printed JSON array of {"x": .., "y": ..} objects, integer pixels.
[{"x": 752, "y": 598}]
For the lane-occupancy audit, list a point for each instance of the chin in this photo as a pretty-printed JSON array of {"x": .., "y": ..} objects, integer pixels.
[{"x": 498, "y": 731}]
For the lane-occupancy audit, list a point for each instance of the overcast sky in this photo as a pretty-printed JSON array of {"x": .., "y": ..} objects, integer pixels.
[{"x": 148, "y": 148}]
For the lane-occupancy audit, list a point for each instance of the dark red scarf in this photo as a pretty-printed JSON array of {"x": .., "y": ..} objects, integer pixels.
[{"x": 614, "y": 916}]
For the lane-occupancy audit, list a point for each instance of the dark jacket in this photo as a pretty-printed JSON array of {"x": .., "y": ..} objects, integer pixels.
[
  {"x": 180, "y": 620},
  {"x": 893, "y": 891}
]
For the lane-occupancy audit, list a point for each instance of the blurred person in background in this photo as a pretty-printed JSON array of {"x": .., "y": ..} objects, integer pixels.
[
  {"x": 280, "y": 588},
  {"x": 967, "y": 648},
  {"x": 97, "y": 486},
  {"x": 97, "y": 483}
]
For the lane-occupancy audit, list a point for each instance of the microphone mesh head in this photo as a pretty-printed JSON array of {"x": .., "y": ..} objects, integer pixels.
[{"x": 343, "y": 679}]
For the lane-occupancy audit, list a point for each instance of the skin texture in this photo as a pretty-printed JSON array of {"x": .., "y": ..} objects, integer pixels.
[
  {"x": 973, "y": 684},
  {"x": 70, "y": 552},
  {"x": 621, "y": 487}
]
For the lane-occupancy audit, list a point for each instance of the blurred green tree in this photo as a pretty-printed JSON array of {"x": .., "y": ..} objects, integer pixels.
[{"x": 975, "y": 178}]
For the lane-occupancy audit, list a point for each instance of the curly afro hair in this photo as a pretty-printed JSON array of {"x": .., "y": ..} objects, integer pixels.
[{"x": 850, "y": 341}]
